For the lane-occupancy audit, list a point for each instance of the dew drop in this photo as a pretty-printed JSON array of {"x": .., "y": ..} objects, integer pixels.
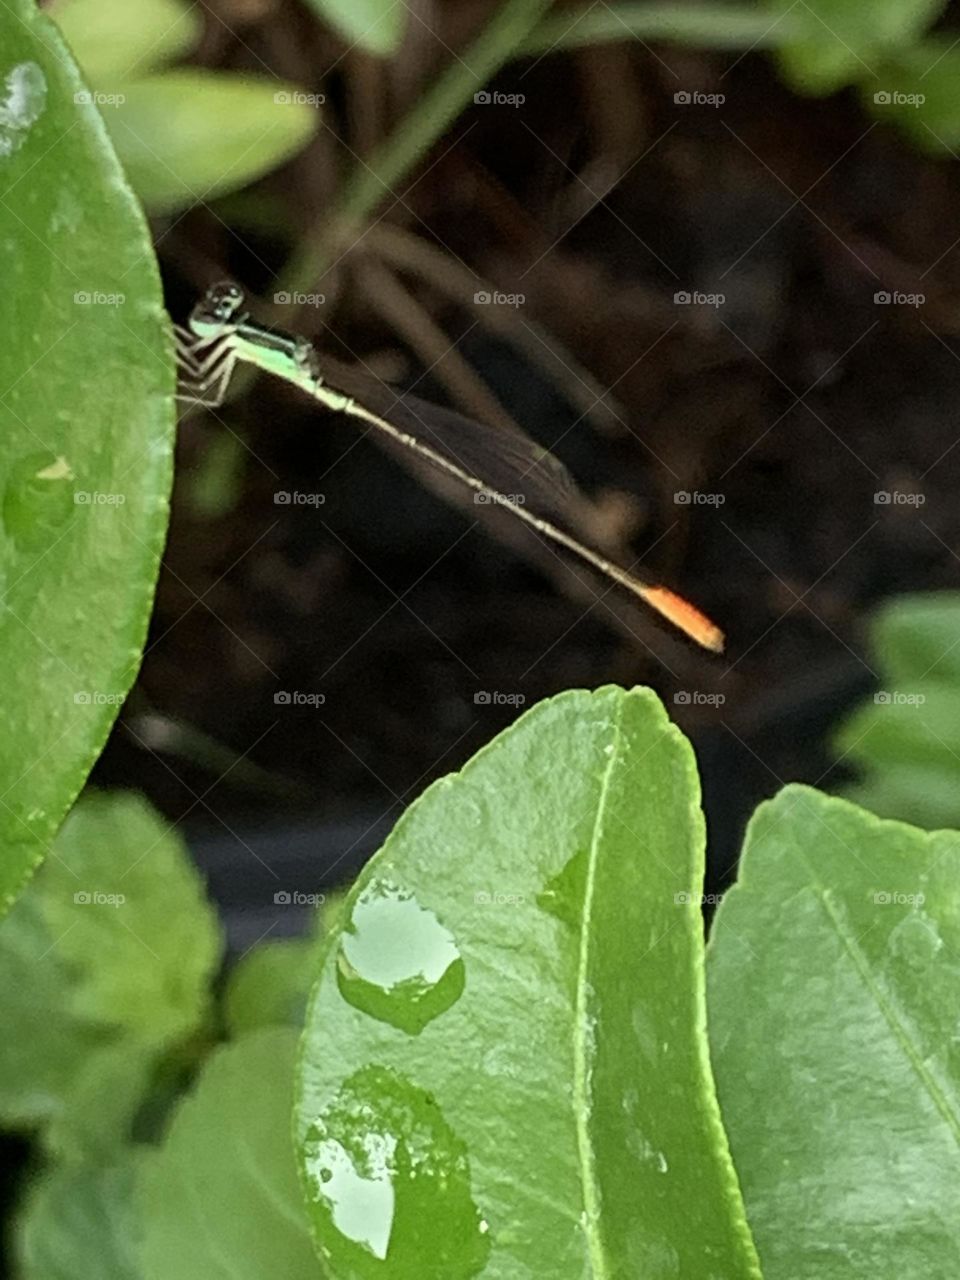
[
  {"x": 396, "y": 961},
  {"x": 395, "y": 1202}
]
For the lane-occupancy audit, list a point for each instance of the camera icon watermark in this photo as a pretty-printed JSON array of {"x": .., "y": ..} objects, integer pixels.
[
  {"x": 894, "y": 898},
  {"x": 286, "y": 498},
  {"x": 97, "y": 298},
  {"x": 92, "y": 98},
  {"x": 488, "y": 98},
  {"x": 98, "y": 698},
  {"x": 694, "y": 298},
  {"x": 695, "y": 98},
  {"x": 898, "y": 698},
  {"x": 894, "y": 298},
  {"x": 697, "y": 498},
  {"x": 297, "y": 698},
  {"x": 94, "y": 498},
  {"x": 697, "y": 698},
  {"x": 297, "y": 98},
  {"x": 297, "y": 299},
  {"x": 494, "y": 298},
  {"x": 894, "y": 98},
  {"x": 898, "y": 498}
]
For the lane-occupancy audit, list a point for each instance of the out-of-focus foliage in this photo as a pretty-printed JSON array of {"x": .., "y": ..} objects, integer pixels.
[
  {"x": 906, "y": 739},
  {"x": 182, "y": 134}
]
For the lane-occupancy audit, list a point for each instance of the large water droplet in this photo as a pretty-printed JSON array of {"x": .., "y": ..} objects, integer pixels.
[
  {"x": 21, "y": 104},
  {"x": 392, "y": 1183},
  {"x": 396, "y": 961},
  {"x": 37, "y": 499}
]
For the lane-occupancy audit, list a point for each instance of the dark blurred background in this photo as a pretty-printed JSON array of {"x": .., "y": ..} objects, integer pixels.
[{"x": 783, "y": 398}]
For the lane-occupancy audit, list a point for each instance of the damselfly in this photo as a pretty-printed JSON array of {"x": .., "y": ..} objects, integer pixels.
[{"x": 502, "y": 466}]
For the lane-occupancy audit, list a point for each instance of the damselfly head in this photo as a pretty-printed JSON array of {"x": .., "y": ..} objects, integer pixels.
[{"x": 218, "y": 311}]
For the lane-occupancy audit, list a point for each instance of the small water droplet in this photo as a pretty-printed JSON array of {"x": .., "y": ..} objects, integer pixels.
[
  {"x": 37, "y": 499},
  {"x": 396, "y": 961},
  {"x": 21, "y": 105},
  {"x": 397, "y": 1201}
]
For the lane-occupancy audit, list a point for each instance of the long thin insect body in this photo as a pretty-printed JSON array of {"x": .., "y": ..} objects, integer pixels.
[{"x": 221, "y": 334}]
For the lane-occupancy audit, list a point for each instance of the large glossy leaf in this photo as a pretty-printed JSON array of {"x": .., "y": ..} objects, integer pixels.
[
  {"x": 834, "y": 1000},
  {"x": 187, "y": 135},
  {"x": 86, "y": 416},
  {"x": 221, "y": 1196},
  {"x": 105, "y": 963},
  {"x": 504, "y": 1069}
]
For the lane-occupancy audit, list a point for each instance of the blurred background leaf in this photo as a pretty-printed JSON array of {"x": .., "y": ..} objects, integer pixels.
[
  {"x": 116, "y": 40},
  {"x": 376, "y": 26},
  {"x": 80, "y": 1223},
  {"x": 105, "y": 967},
  {"x": 221, "y": 1194},
  {"x": 188, "y": 135},
  {"x": 905, "y": 740},
  {"x": 845, "y": 41}
]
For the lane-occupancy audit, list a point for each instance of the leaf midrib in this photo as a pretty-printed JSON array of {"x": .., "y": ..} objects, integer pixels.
[{"x": 581, "y": 1070}]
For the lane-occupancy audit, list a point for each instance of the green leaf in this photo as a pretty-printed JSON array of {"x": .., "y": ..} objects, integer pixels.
[
  {"x": 86, "y": 415},
  {"x": 187, "y": 135},
  {"x": 925, "y": 795},
  {"x": 221, "y": 1196},
  {"x": 377, "y": 26},
  {"x": 113, "y": 40},
  {"x": 905, "y": 738},
  {"x": 504, "y": 1068},
  {"x": 915, "y": 637},
  {"x": 105, "y": 964},
  {"x": 920, "y": 93},
  {"x": 79, "y": 1223},
  {"x": 834, "y": 998},
  {"x": 845, "y": 41},
  {"x": 270, "y": 985},
  {"x": 705, "y": 26}
]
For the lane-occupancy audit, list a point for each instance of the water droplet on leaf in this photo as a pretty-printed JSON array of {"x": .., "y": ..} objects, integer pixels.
[
  {"x": 392, "y": 1182},
  {"x": 396, "y": 960}
]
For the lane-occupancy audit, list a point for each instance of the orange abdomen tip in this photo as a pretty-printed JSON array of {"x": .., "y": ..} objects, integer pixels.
[{"x": 685, "y": 616}]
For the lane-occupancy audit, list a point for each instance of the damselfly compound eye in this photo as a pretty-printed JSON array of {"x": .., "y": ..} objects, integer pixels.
[{"x": 221, "y": 305}]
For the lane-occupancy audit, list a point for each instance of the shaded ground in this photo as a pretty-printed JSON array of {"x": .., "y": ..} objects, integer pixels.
[{"x": 795, "y": 402}]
